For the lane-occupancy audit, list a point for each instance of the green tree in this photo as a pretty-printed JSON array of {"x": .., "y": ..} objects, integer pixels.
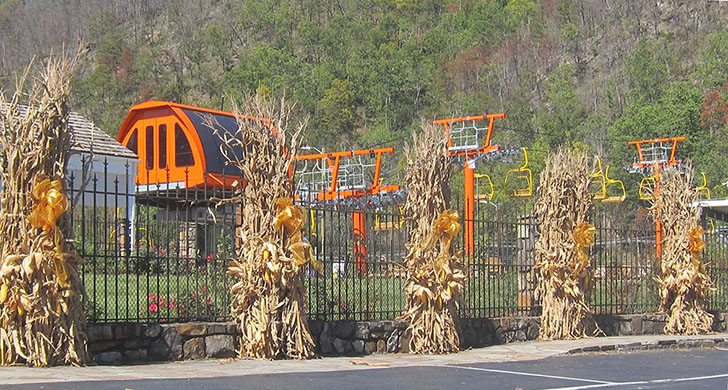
[
  {"x": 713, "y": 61},
  {"x": 338, "y": 112},
  {"x": 648, "y": 69},
  {"x": 564, "y": 112}
]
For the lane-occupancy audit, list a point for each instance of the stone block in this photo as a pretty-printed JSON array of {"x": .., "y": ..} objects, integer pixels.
[
  {"x": 315, "y": 327},
  {"x": 99, "y": 332},
  {"x": 404, "y": 340},
  {"x": 135, "y": 330},
  {"x": 361, "y": 330},
  {"x": 121, "y": 331},
  {"x": 342, "y": 346},
  {"x": 624, "y": 328},
  {"x": 370, "y": 346},
  {"x": 607, "y": 323},
  {"x": 232, "y": 328},
  {"x": 486, "y": 337},
  {"x": 192, "y": 329},
  {"x": 381, "y": 346},
  {"x": 111, "y": 358},
  {"x": 326, "y": 345},
  {"x": 194, "y": 348},
  {"x": 135, "y": 343},
  {"x": 152, "y": 331},
  {"x": 468, "y": 337},
  {"x": 519, "y": 335},
  {"x": 168, "y": 347},
  {"x": 381, "y": 326},
  {"x": 173, "y": 341},
  {"x": 393, "y": 341},
  {"x": 343, "y": 329},
  {"x": 219, "y": 346},
  {"x": 213, "y": 329},
  {"x": 136, "y": 355},
  {"x": 500, "y": 336},
  {"x": 358, "y": 346},
  {"x": 636, "y": 324},
  {"x": 522, "y": 323},
  {"x": 378, "y": 335},
  {"x": 104, "y": 346},
  {"x": 532, "y": 331},
  {"x": 509, "y": 337},
  {"x": 400, "y": 324},
  {"x": 652, "y": 327}
]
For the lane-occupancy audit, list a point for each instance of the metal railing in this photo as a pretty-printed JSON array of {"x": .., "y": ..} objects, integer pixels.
[{"x": 162, "y": 256}]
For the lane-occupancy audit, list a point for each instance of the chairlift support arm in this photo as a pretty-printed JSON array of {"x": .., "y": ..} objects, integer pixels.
[
  {"x": 673, "y": 151},
  {"x": 487, "y": 147}
]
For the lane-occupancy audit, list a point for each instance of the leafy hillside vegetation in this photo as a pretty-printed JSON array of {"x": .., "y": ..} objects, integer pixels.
[{"x": 590, "y": 73}]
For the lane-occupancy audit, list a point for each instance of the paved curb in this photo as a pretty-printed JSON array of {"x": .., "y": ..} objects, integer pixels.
[
  {"x": 648, "y": 345},
  {"x": 209, "y": 368}
]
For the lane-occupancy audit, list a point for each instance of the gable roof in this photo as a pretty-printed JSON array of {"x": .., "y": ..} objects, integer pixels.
[{"x": 86, "y": 137}]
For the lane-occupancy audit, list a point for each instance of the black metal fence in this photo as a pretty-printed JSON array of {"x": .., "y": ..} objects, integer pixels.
[{"x": 160, "y": 253}]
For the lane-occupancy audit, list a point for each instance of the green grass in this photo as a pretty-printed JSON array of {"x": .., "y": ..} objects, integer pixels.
[
  {"x": 355, "y": 297},
  {"x": 127, "y": 297}
]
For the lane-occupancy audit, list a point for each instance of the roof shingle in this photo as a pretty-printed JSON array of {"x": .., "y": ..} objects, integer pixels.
[{"x": 86, "y": 137}]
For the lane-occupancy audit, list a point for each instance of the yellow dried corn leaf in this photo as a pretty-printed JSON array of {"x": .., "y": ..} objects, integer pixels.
[{"x": 3, "y": 292}]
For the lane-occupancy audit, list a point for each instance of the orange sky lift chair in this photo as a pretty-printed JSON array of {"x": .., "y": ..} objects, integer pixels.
[
  {"x": 468, "y": 140},
  {"x": 342, "y": 175},
  {"x": 653, "y": 156}
]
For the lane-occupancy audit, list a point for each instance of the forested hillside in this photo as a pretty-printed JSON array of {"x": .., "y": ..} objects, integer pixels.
[{"x": 590, "y": 73}]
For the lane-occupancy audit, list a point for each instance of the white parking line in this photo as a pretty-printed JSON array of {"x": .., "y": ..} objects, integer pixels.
[
  {"x": 600, "y": 383},
  {"x": 653, "y": 381}
]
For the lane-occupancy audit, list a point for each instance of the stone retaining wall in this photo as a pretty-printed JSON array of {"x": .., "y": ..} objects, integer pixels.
[{"x": 131, "y": 343}]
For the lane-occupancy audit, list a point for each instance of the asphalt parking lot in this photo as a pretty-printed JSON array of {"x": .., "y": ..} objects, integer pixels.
[{"x": 659, "y": 369}]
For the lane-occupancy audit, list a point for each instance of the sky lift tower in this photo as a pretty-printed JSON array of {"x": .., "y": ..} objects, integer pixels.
[
  {"x": 343, "y": 175},
  {"x": 653, "y": 156},
  {"x": 471, "y": 141}
]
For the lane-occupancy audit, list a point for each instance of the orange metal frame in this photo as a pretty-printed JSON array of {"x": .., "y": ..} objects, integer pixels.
[
  {"x": 670, "y": 162},
  {"x": 333, "y": 161},
  {"x": 656, "y": 173},
  {"x": 487, "y": 147},
  {"x": 469, "y": 171}
]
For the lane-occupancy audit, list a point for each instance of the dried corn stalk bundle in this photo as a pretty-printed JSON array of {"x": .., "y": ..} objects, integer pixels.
[
  {"x": 268, "y": 295},
  {"x": 684, "y": 283},
  {"x": 41, "y": 312},
  {"x": 434, "y": 281},
  {"x": 562, "y": 250}
]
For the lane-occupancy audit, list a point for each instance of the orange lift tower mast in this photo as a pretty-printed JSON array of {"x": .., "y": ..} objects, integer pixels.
[
  {"x": 654, "y": 155},
  {"x": 325, "y": 183},
  {"x": 464, "y": 139}
]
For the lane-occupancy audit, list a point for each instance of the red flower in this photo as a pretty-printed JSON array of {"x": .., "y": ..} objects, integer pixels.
[{"x": 153, "y": 308}]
